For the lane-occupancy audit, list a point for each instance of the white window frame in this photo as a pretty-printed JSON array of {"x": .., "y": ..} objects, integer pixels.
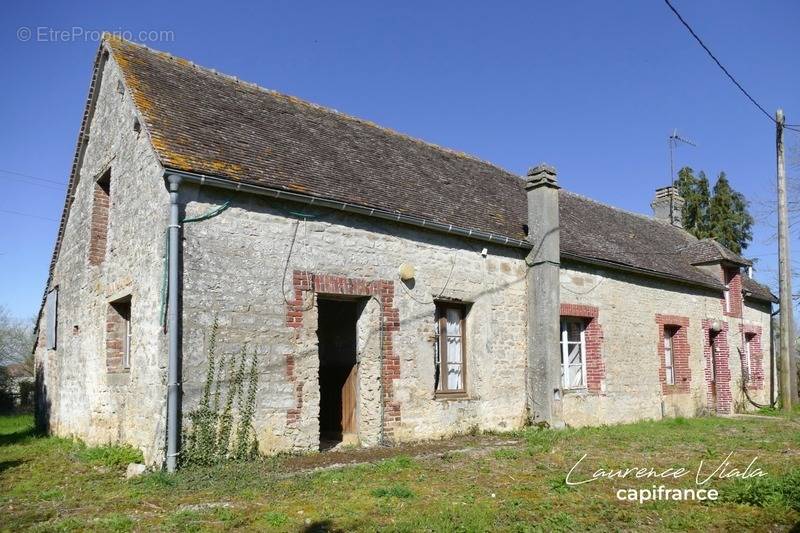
[
  {"x": 669, "y": 354},
  {"x": 565, "y": 350},
  {"x": 748, "y": 338},
  {"x": 727, "y": 298}
]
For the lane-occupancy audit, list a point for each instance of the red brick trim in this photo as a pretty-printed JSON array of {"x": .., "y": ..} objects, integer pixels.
[
  {"x": 595, "y": 369},
  {"x": 98, "y": 229},
  {"x": 723, "y": 370},
  {"x": 581, "y": 311},
  {"x": 383, "y": 290},
  {"x": 680, "y": 354},
  {"x": 756, "y": 378},
  {"x": 734, "y": 277},
  {"x": 293, "y": 413}
]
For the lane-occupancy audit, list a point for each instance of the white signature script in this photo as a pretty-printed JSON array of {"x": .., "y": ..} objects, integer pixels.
[{"x": 724, "y": 470}]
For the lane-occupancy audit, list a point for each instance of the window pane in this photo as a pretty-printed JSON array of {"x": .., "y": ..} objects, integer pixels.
[
  {"x": 576, "y": 376},
  {"x": 454, "y": 353},
  {"x": 449, "y": 365},
  {"x": 574, "y": 328},
  {"x": 437, "y": 356},
  {"x": 572, "y": 353},
  {"x": 453, "y": 321},
  {"x": 575, "y": 354}
]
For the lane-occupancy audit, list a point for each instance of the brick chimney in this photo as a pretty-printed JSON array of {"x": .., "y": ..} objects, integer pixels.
[
  {"x": 668, "y": 206},
  {"x": 544, "y": 359}
]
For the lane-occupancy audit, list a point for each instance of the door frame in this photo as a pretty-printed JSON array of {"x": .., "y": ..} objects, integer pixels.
[{"x": 354, "y": 372}]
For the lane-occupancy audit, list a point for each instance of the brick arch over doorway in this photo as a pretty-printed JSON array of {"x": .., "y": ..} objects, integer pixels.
[{"x": 304, "y": 282}]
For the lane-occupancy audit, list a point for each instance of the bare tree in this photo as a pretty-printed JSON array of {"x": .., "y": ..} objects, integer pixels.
[
  {"x": 766, "y": 213},
  {"x": 16, "y": 338}
]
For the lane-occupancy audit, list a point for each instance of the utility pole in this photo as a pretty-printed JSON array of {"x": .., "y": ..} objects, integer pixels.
[{"x": 788, "y": 367}]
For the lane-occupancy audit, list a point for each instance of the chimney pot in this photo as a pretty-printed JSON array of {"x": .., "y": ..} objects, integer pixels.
[
  {"x": 668, "y": 206},
  {"x": 542, "y": 175}
]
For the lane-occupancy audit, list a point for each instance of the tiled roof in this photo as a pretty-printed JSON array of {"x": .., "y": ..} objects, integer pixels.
[
  {"x": 710, "y": 251},
  {"x": 208, "y": 123}
]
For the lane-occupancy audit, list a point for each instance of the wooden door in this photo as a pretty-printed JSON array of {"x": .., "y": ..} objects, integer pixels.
[{"x": 349, "y": 401}]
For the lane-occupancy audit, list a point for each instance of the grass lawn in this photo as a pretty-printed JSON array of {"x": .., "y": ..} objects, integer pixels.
[{"x": 513, "y": 482}]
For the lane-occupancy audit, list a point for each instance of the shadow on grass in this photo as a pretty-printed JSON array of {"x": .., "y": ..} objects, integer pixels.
[
  {"x": 5, "y": 465},
  {"x": 17, "y": 437},
  {"x": 321, "y": 526}
]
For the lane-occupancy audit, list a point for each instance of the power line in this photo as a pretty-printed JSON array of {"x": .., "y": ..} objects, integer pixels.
[
  {"x": 8, "y": 211},
  {"x": 38, "y": 178},
  {"x": 728, "y": 74},
  {"x": 34, "y": 183}
]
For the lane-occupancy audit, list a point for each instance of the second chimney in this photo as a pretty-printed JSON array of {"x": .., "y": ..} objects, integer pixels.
[{"x": 668, "y": 206}]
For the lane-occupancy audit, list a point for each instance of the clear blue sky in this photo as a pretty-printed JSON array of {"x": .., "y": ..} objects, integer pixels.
[{"x": 591, "y": 87}]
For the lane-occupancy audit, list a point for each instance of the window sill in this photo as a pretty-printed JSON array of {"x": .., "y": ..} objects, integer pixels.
[
  {"x": 451, "y": 396},
  {"x": 582, "y": 392}
]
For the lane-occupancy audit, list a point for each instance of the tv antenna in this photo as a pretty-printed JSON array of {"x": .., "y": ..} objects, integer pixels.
[{"x": 674, "y": 139}]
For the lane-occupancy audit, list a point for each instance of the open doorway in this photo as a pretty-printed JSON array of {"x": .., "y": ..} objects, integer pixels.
[{"x": 338, "y": 371}]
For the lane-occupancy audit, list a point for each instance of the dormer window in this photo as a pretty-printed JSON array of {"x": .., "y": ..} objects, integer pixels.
[{"x": 732, "y": 294}]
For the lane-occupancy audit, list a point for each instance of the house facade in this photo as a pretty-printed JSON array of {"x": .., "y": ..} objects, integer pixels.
[{"x": 392, "y": 290}]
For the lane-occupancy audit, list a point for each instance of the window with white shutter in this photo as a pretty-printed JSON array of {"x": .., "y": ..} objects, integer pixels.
[{"x": 573, "y": 353}]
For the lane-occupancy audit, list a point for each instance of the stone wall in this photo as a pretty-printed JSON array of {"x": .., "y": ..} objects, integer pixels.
[
  {"x": 261, "y": 265},
  {"x": 632, "y": 311},
  {"x": 83, "y": 397}
]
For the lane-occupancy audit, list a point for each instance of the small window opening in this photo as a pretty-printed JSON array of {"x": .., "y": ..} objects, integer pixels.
[
  {"x": 449, "y": 349},
  {"x": 669, "y": 353},
  {"x": 748, "y": 350},
  {"x": 119, "y": 335},
  {"x": 100, "y": 216},
  {"x": 573, "y": 353}
]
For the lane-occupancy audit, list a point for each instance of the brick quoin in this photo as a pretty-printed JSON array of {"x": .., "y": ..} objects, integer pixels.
[
  {"x": 383, "y": 290},
  {"x": 723, "y": 371},
  {"x": 756, "y": 378},
  {"x": 595, "y": 369},
  {"x": 680, "y": 354}
]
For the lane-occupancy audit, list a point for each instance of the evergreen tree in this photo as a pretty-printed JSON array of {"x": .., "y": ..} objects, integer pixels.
[
  {"x": 703, "y": 228},
  {"x": 694, "y": 191},
  {"x": 722, "y": 216},
  {"x": 729, "y": 220}
]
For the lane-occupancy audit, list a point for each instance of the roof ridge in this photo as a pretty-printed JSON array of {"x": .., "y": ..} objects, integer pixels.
[{"x": 110, "y": 37}]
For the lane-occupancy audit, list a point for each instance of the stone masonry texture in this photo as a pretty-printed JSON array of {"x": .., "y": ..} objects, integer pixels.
[
  {"x": 259, "y": 269},
  {"x": 79, "y": 394}
]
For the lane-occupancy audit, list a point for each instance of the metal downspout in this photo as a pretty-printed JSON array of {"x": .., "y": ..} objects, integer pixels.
[{"x": 174, "y": 363}]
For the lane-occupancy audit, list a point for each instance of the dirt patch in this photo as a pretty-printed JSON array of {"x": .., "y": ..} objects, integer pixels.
[{"x": 290, "y": 464}]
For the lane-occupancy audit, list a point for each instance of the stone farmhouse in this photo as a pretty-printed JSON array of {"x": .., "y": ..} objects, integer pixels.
[{"x": 394, "y": 290}]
